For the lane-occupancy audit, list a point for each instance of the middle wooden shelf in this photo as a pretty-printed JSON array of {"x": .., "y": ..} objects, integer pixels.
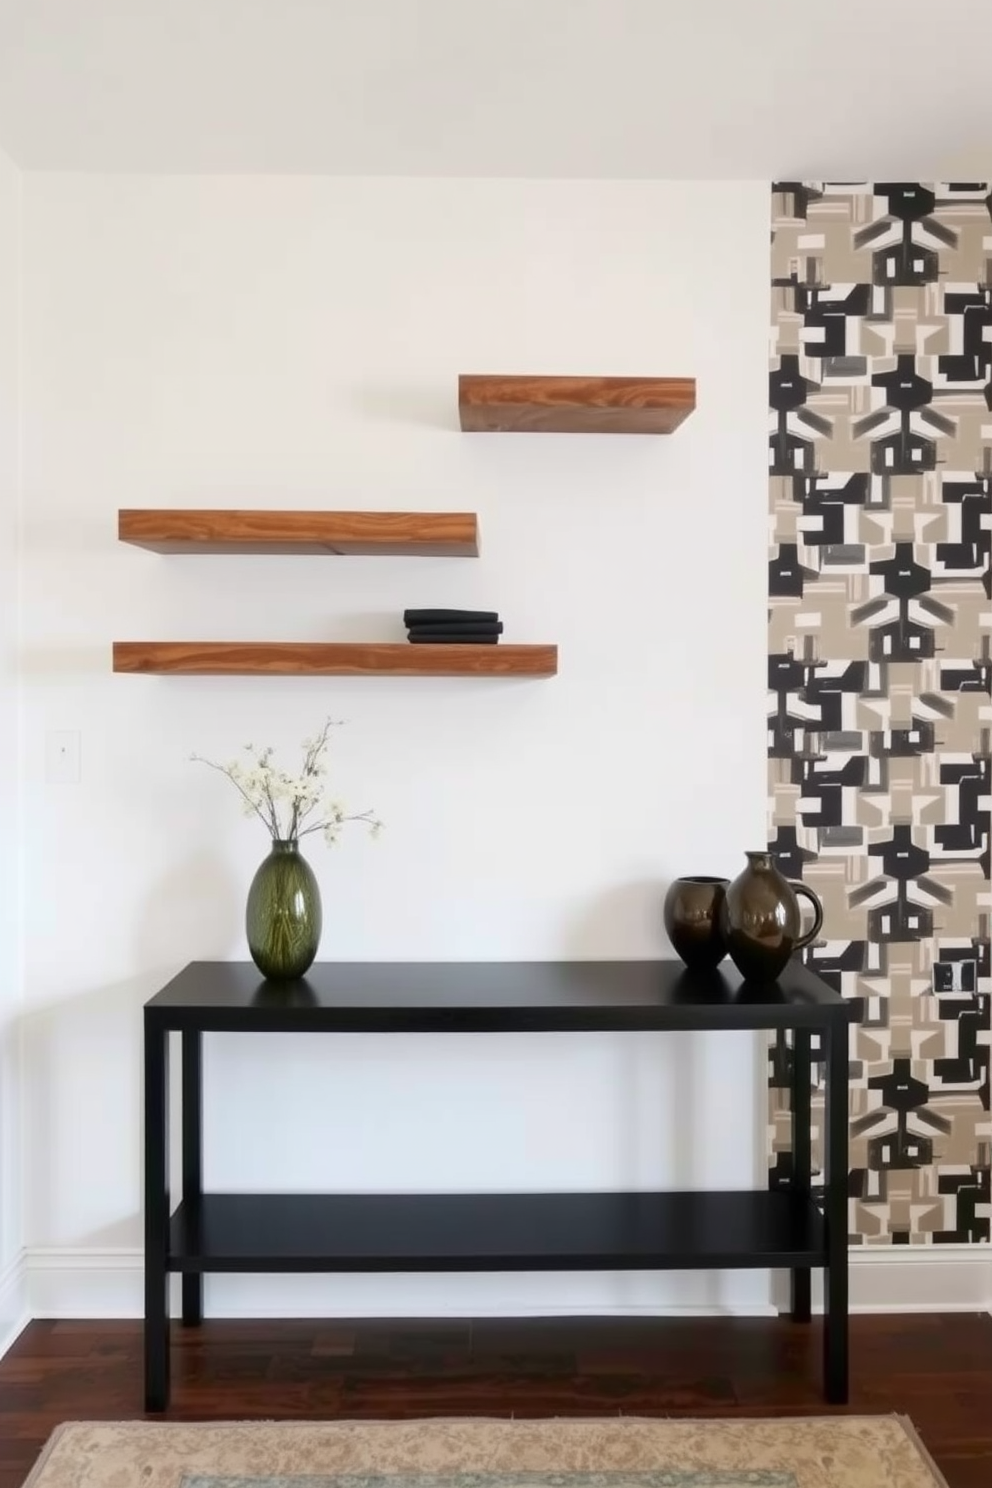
[
  {"x": 342, "y": 533},
  {"x": 332, "y": 659}
]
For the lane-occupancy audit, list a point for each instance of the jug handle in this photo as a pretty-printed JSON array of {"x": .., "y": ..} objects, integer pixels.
[{"x": 817, "y": 926}]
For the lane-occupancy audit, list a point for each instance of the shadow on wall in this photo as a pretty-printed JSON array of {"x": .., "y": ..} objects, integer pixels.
[
  {"x": 625, "y": 921},
  {"x": 79, "y": 1054},
  {"x": 66, "y": 530},
  {"x": 195, "y": 911},
  {"x": 687, "y": 1071},
  {"x": 82, "y": 1053},
  {"x": 402, "y": 403},
  {"x": 64, "y": 661}
]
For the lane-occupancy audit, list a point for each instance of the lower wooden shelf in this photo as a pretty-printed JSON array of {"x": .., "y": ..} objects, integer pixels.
[{"x": 332, "y": 659}]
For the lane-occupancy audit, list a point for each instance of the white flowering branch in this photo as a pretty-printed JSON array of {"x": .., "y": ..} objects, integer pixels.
[{"x": 291, "y": 806}]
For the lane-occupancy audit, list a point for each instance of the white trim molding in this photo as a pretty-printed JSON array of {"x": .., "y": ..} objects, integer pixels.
[
  {"x": 84, "y": 1283},
  {"x": 920, "y": 1278},
  {"x": 14, "y": 1314},
  {"x": 911, "y": 1278}
]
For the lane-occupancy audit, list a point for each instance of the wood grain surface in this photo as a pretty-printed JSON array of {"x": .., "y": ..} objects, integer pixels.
[
  {"x": 353, "y": 533},
  {"x": 332, "y": 659},
  {"x": 574, "y": 405},
  {"x": 935, "y": 1369}
]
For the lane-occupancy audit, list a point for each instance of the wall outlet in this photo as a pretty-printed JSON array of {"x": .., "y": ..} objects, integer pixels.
[{"x": 62, "y": 753}]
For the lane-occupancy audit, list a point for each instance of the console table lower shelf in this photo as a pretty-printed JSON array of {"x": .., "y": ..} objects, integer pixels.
[{"x": 495, "y": 1232}]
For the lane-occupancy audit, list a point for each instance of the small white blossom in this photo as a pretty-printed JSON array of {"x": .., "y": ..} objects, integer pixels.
[{"x": 291, "y": 806}]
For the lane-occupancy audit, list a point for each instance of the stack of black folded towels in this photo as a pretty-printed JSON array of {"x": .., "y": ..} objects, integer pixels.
[{"x": 453, "y": 627}]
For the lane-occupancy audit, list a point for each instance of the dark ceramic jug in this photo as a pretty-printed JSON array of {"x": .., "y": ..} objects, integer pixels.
[
  {"x": 692, "y": 920},
  {"x": 761, "y": 922}
]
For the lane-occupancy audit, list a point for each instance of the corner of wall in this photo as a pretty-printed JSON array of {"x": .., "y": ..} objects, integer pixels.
[
  {"x": 14, "y": 1315},
  {"x": 12, "y": 1276}
]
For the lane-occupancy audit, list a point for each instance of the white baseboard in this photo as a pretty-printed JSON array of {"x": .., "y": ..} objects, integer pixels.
[
  {"x": 920, "y": 1278},
  {"x": 66, "y": 1282},
  {"x": 14, "y": 1314},
  {"x": 82, "y": 1283},
  {"x": 108, "y": 1284},
  {"x": 911, "y": 1278}
]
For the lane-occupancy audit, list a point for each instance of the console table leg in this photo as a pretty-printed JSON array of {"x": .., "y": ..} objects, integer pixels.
[
  {"x": 802, "y": 1162},
  {"x": 156, "y": 1217},
  {"x": 835, "y": 1333},
  {"x": 192, "y": 1082}
]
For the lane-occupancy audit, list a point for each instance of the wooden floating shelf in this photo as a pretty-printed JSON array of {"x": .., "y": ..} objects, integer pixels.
[
  {"x": 574, "y": 405},
  {"x": 332, "y": 659},
  {"x": 351, "y": 533}
]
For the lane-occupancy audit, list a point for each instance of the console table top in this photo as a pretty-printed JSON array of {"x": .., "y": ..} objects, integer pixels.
[{"x": 491, "y": 997}]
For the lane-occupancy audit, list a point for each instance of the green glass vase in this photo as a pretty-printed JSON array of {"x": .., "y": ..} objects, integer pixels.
[{"x": 283, "y": 915}]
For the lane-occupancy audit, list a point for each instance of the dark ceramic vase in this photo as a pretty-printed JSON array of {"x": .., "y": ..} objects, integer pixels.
[
  {"x": 283, "y": 915},
  {"x": 761, "y": 921},
  {"x": 692, "y": 920}
]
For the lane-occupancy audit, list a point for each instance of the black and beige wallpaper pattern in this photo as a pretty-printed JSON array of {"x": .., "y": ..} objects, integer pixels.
[{"x": 880, "y": 460}]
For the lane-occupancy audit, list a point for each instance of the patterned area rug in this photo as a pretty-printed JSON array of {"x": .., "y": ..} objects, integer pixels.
[{"x": 823, "y": 1452}]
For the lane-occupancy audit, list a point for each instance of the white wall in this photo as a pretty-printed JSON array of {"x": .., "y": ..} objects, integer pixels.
[
  {"x": 10, "y": 972},
  {"x": 297, "y": 342}
]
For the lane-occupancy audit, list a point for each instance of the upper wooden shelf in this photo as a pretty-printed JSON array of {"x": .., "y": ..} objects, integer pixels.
[
  {"x": 574, "y": 405},
  {"x": 353, "y": 533},
  {"x": 332, "y": 659}
]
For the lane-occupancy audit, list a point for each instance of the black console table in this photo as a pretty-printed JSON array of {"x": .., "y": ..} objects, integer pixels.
[{"x": 490, "y": 1232}]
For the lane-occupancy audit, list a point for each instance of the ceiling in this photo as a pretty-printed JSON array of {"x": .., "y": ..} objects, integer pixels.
[{"x": 787, "y": 89}]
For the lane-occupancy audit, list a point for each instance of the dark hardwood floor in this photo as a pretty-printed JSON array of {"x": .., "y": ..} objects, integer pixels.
[{"x": 935, "y": 1369}]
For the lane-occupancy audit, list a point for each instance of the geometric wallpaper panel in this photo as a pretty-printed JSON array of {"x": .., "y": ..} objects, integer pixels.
[{"x": 880, "y": 464}]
